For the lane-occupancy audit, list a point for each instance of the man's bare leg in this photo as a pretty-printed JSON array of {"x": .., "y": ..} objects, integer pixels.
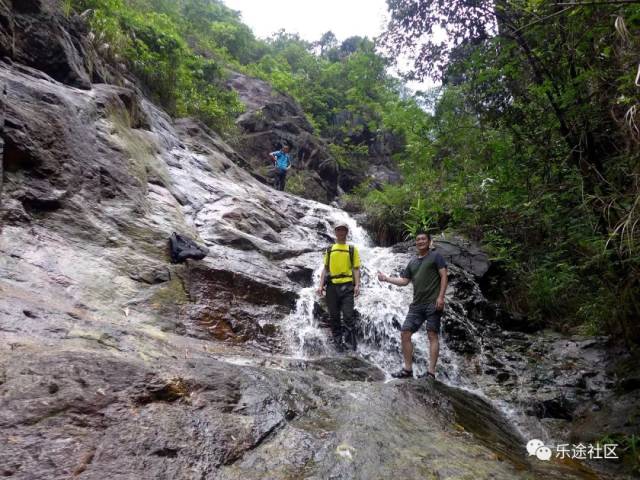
[
  {"x": 407, "y": 350},
  {"x": 434, "y": 350}
]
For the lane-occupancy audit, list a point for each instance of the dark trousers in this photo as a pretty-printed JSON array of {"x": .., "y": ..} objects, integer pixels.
[
  {"x": 280, "y": 179},
  {"x": 340, "y": 300}
]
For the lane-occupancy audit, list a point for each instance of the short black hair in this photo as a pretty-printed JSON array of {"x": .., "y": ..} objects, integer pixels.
[{"x": 423, "y": 232}]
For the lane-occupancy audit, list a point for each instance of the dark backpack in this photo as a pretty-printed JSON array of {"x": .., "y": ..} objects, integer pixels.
[
  {"x": 181, "y": 248},
  {"x": 328, "y": 277}
]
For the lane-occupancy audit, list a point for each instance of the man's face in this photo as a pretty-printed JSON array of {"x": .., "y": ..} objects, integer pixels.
[
  {"x": 285, "y": 149},
  {"x": 341, "y": 233},
  {"x": 422, "y": 242}
]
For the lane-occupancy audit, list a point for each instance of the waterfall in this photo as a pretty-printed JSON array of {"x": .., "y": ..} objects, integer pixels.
[{"x": 381, "y": 309}]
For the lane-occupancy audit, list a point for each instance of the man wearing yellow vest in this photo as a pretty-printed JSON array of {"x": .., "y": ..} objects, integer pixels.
[{"x": 342, "y": 274}]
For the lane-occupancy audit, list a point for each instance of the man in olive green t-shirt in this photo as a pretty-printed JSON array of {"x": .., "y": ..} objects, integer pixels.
[{"x": 428, "y": 274}]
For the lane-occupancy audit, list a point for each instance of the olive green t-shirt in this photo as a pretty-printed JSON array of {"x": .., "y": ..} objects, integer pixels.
[{"x": 424, "y": 275}]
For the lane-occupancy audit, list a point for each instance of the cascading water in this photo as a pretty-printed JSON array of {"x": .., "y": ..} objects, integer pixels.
[{"x": 381, "y": 310}]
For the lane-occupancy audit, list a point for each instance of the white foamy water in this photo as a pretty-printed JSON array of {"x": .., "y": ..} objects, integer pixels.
[{"x": 382, "y": 308}]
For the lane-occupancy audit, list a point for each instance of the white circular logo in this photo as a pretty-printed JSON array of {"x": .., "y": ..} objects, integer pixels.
[
  {"x": 534, "y": 445},
  {"x": 543, "y": 453}
]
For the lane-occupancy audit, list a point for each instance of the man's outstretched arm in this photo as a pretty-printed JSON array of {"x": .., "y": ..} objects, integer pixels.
[{"x": 399, "y": 281}]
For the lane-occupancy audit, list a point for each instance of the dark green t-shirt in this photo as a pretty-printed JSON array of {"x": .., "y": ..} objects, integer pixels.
[{"x": 424, "y": 275}]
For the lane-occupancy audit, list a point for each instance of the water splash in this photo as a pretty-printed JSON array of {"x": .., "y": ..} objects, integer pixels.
[{"x": 381, "y": 307}]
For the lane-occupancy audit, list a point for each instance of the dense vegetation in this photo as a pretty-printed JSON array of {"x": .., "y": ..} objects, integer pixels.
[
  {"x": 179, "y": 50},
  {"x": 530, "y": 145},
  {"x": 533, "y": 148}
]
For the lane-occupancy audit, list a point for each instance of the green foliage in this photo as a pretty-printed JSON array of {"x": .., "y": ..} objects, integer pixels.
[
  {"x": 180, "y": 49},
  {"x": 419, "y": 217},
  {"x": 628, "y": 448},
  {"x": 343, "y": 88},
  {"x": 346, "y": 154},
  {"x": 386, "y": 211},
  {"x": 531, "y": 149},
  {"x": 296, "y": 183},
  {"x": 67, "y": 7},
  {"x": 177, "y": 49}
]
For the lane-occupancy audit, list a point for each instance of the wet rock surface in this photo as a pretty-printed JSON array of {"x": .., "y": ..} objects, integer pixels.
[
  {"x": 356, "y": 435},
  {"x": 96, "y": 413},
  {"x": 559, "y": 389},
  {"x": 562, "y": 390},
  {"x": 463, "y": 253}
]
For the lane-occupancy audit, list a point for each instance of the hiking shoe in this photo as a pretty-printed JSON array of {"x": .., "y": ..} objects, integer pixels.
[
  {"x": 402, "y": 373},
  {"x": 428, "y": 376}
]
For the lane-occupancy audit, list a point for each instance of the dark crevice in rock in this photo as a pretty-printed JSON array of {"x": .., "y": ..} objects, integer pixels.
[
  {"x": 262, "y": 439},
  {"x": 629, "y": 384},
  {"x": 33, "y": 205},
  {"x": 301, "y": 275},
  {"x": 554, "y": 408},
  {"x": 166, "y": 452},
  {"x": 17, "y": 158}
]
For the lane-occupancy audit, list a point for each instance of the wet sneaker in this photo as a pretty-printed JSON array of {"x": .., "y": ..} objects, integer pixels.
[{"x": 402, "y": 373}]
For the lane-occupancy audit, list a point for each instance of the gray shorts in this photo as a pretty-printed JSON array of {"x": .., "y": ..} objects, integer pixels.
[{"x": 418, "y": 314}]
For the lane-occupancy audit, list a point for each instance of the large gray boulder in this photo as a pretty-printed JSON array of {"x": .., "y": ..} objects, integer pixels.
[{"x": 457, "y": 250}]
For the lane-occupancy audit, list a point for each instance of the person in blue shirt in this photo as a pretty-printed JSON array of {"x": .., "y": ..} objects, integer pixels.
[{"x": 282, "y": 162}]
